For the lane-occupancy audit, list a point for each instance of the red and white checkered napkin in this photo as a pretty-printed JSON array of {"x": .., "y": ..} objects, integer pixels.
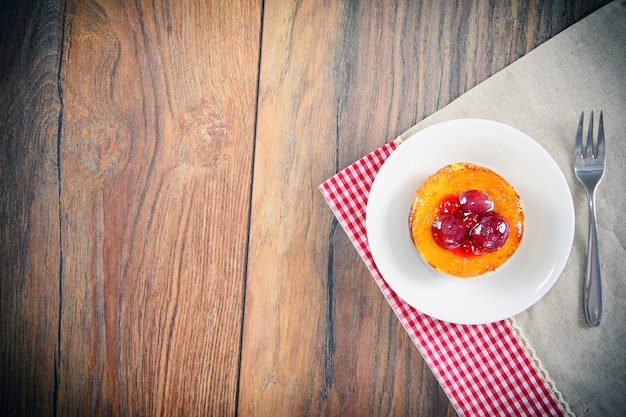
[{"x": 484, "y": 369}]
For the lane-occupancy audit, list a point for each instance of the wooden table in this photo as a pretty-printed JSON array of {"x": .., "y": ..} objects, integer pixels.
[{"x": 163, "y": 246}]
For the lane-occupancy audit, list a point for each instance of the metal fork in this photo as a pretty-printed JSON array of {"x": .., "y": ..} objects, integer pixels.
[{"x": 589, "y": 169}]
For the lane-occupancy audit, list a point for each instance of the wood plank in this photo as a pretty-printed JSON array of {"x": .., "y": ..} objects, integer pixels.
[
  {"x": 158, "y": 121},
  {"x": 337, "y": 81},
  {"x": 30, "y": 41}
]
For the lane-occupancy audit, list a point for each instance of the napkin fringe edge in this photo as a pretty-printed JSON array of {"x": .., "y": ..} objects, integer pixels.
[{"x": 537, "y": 362}]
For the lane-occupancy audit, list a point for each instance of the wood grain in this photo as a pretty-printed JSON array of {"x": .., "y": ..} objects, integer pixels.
[
  {"x": 158, "y": 122},
  {"x": 30, "y": 42},
  {"x": 163, "y": 246},
  {"x": 155, "y": 147}
]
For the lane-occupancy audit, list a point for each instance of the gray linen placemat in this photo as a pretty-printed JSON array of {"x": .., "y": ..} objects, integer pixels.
[{"x": 543, "y": 95}]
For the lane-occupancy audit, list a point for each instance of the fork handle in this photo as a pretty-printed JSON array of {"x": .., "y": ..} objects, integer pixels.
[{"x": 593, "y": 288}]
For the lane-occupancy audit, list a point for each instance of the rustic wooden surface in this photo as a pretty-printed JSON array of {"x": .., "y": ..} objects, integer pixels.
[{"x": 163, "y": 246}]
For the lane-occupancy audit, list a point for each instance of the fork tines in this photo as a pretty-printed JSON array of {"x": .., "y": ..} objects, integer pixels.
[{"x": 590, "y": 153}]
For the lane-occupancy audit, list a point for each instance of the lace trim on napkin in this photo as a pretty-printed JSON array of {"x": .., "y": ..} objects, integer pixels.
[{"x": 542, "y": 371}]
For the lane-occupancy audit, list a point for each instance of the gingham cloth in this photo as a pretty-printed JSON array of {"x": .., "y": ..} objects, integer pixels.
[{"x": 484, "y": 370}]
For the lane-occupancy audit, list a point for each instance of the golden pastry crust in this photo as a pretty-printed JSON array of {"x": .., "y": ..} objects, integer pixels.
[{"x": 452, "y": 180}]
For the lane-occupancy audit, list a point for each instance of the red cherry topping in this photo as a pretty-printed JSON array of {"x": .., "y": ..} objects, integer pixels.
[
  {"x": 475, "y": 201},
  {"x": 490, "y": 233},
  {"x": 449, "y": 231},
  {"x": 468, "y": 223}
]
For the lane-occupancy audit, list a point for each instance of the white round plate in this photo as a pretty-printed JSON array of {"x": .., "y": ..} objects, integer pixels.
[{"x": 548, "y": 221}]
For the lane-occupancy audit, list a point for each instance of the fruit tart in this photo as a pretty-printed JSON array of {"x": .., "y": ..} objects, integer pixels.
[{"x": 466, "y": 220}]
